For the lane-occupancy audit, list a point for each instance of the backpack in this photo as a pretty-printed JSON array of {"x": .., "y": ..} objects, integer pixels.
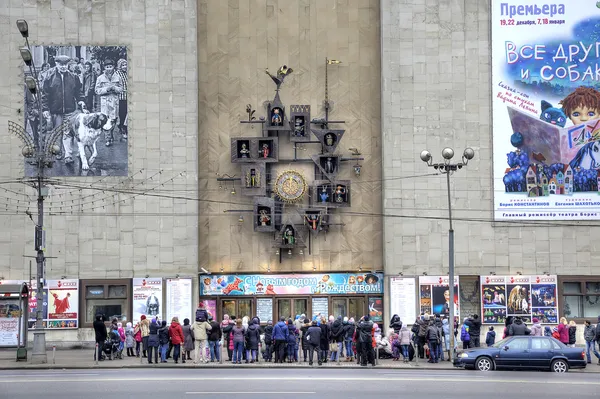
[
  {"x": 556, "y": 335},
  {"x": 415, "y": 328},
  {"x": 464, "y": 334},
  {"x": 201, "y": 315}
]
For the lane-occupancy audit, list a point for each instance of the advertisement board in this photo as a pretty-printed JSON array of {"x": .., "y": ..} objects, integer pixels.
[
  {"x": 291, "y": 284},
  {"x": 147, "y": 297},
  {"x": 523, "y": 296},
  {"x": 179, "y": 299},
  {"x": 434, "y": 295},
  {"x": 403, "y": 298},
  {"x": 546, "y": 110},
  {"x": 10, "y": 311}
]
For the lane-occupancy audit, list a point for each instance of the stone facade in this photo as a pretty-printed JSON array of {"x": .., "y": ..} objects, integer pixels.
[
  {"x": 120, "y": 227},
  {"x": 436, "y": 93},
  {"x": 237, "y": 40}
]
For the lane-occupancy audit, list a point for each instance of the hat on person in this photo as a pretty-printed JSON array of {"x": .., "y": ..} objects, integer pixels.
[
  {"x": 143, "y": 317},
  {"x": 62, "y": 59},
  {"x": 536, "y": 320},
  {"x": 108, "y": 61},
  {"x": 270, "y": 322},
  {"x": 426, "y": 317}
]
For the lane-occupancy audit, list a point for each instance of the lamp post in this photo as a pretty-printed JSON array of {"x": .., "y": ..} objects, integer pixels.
[
  {"x": 39, "y": 151},
  {"x": 448, "y": 168}
]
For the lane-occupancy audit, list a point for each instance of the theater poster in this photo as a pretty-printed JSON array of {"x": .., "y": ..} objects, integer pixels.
[
  {"x": 63, "y": 303},
  {"x": 434, "y": 295},
  {"x": 546, "y": 109},
  {"x": 147, "y": 298},
  {"x": 525, "y": 296}
]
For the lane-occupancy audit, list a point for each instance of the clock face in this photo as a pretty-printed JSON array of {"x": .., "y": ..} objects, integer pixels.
[{"x": 290, "y": 186}]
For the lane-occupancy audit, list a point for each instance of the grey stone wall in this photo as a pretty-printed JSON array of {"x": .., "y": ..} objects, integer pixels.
[
  {"x": 435, "y": 93},
  {"x": 100, "y": 232},
  {"x": 237, "y": 41}
]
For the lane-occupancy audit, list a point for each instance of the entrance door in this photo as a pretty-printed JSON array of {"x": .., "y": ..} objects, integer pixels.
[
  {"x": 237, "y": 307},
  {"x": 284, "y": 308},
  {"x": 356, "y": 307},
  {"x": 340, "y": 307},
  {"x": 290, "y": 307}
]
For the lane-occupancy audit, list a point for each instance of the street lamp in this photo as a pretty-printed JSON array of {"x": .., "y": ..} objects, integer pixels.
[
  {"x": 39, "y": 150},
  {"x": 448, "y": 168}
]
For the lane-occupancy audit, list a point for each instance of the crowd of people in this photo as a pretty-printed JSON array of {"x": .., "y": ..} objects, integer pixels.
[{"x": 305, "y": 339}]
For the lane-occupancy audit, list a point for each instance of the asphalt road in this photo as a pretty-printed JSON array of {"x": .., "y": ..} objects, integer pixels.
[{"x": 292, "y": 383}]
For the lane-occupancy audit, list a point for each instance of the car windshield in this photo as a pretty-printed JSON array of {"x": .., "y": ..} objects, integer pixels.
[{"x": 501, "y": 343}]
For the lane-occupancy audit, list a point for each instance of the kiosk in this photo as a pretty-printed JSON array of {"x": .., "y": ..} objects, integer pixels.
[{"x": 14, "y": 315}]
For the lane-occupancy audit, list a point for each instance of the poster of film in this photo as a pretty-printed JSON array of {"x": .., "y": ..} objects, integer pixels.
[
  {"x": 87, "y": 87},
  {"x": 525, "y": 296},
  {"x": 434, "y": 295},
  {"x": 546, "y": 109}
]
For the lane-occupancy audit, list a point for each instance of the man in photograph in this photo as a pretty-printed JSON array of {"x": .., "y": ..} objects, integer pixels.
[
  {"x": 61, "y": 91},
  {"x": 122, "y": 72},
  {"x": 108, "y": 87}
]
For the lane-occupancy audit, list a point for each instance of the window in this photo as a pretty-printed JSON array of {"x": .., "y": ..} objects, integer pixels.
[
  {"x": 110, "y": 298},
  {"x": 580, "y": 297},
  {"x": 519, "y": 344},
  {"x": 543, "y": 343}
]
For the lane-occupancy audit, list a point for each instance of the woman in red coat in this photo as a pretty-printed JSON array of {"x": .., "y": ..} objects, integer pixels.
[
  {"x": 176, "y": 334},
  {"x": 563, "y": 330}
]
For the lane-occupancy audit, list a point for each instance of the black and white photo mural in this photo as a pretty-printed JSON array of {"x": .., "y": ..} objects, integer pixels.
[{"x": 87, "y": 87}]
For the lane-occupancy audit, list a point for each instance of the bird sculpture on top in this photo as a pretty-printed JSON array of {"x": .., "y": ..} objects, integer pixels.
[{"x": 282, "y": 72}]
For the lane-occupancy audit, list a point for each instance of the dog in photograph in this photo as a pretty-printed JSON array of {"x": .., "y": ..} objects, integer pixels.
[{"x": 86, "y": 127}]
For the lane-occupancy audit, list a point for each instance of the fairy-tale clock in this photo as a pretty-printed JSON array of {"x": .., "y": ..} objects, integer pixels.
[{"x": 290, "y": 186}]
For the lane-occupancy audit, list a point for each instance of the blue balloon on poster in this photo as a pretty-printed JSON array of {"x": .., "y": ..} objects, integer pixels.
[{"x": 516, "y": 140}]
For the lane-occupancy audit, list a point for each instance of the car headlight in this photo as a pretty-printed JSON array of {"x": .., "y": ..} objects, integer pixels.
[{"x": 463, "y": 355}]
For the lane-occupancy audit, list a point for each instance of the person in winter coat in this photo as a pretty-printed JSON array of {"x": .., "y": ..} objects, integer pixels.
[
  {"x": 153, "y": 341},
  {"x": 348, "y": 333},
  {"x": 597, "y": 339},
  {"x": 490, "y": 338},
  {"x": 422, "y": 322},
  {"x": 396, "y": 323},
  {"x": 433, "y": 340},
  {"x": 404, "y": 339},
  {"x": 163, "y": 341},
  {"x": 238, "y": 341},
  {"x": 304, "y": 343},
  {"x": 337, "y": 337},
  {"x": 572, "y": 333},
  {"x": 440, "y": 347},
  {"x": 446, "y": 335},
  {"x": 200, "y": 331},
  {"x": 100, "y": 334},
  {"x": 324, "y": 339},
  {"x": 213, "y": 339},
  {"x": 313, "y": 339},
  {"x": 518, "y": 328},
  {"x": 252, "y": 339},
  {"x": 177, "y": 338},
  {"x": 589, "y": 333},
  {"x": 188, "y": 340},
  {"x": 475, "y": 331},
  {"x": 137, "y": 336},
  {"x": 563, "y": 331},
  {"x": 145, "y": 330},
  {"x": 280, "y": 336},
  {"x": 129, "y": 339},
  {"x": 226, "y": 327},
  {"x": 536, "y": 328},
  {"x": 121, "y": 332},
  {"x": 291, "y": 352},
  {"x": 465, "y": 336},
  {"x": 365, "y": 339},
  {"x": 268, "y": 338}
]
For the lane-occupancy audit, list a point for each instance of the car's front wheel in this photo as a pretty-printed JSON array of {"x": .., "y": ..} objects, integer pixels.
[
  {"x": 484, "y": 364},
  {"x": 559, "y": 366}
]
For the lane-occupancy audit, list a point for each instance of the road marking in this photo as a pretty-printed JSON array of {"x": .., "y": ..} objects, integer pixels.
[
  {"x": 245, "y": 393},
  {"x": 337, "y": 379},
  {"x": 62, "y": 374}
]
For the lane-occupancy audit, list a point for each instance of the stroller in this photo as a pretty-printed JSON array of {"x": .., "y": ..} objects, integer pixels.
[{"x": 112, "y": 346}]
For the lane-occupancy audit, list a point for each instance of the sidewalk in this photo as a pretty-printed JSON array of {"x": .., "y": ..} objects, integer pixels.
[{"x": 84, "y": 359}]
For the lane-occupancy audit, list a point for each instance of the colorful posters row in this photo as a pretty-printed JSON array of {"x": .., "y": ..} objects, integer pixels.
[
  {"x": 402, "y": 298},
  {"x": 524, "y": 296},
  {"x": 60, "y": 308},
  {"x": 434, "y": 295},
  {"x": 179, "y": 299},
  {"x": 291, "y": 284},
  {"x": 147, "y": 297},
  {"x": 546, "y": 110}
]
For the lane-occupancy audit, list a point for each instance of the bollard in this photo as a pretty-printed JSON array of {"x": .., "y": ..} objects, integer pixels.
[
  {"x": 376, "y": 356},
  {"x": 141, "y": 358},
  {"x": 96, "y": 354},
  {"x": 53, "y": 354},
  {"x": 220, "y": 352}
]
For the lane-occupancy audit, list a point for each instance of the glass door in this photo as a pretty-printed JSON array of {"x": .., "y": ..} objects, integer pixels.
[
  {"x": 228, "y": 307},
  {"x": 340, "y": 307},
  {"x": 356, "y": 307},
  {"x": 284, "y": 308},
  {"x": 245, "y": 308},
  {"x": 301, "y": 306},
  {"x": 237, "y": 307}
]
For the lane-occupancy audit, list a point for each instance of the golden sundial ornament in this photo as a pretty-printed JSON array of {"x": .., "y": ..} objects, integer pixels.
[{"x": 290, "y": 186}]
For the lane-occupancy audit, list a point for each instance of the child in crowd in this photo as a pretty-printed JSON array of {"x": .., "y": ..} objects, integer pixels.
[{"x": 490, "y": 338}]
